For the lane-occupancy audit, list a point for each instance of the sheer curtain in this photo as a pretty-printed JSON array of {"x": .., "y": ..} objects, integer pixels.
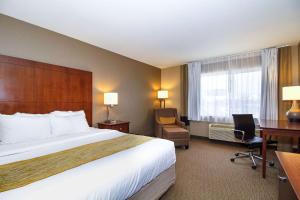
[
  {"x": 194, "y": 89},
  {"x": 269, "y": 87},
  {"x": 223, "y": 86}
]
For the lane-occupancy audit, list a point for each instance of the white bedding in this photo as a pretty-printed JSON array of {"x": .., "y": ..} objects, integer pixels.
[{"x": 118, "y": 176}]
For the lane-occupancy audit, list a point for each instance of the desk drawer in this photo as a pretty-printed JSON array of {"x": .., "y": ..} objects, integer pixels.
[{"x": 123, "y": 127}]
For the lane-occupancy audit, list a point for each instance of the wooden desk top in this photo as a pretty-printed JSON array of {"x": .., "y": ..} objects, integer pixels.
[
  {"x": 290, "y": 163},
  {"x": 279, "y": 124}
]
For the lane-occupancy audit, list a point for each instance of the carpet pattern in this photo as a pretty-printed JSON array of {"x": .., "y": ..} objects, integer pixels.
[{"x": 204, "y": 171}]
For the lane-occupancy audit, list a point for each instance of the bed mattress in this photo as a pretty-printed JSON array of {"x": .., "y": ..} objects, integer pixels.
[{"x": 117, "y": 176}]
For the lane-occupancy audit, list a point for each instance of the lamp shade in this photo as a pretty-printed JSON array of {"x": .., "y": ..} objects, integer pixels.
[
  {"x": 162, "y": 94},
  {"x": 291, "y": 93},
  {"x": 110, "y": 98}
]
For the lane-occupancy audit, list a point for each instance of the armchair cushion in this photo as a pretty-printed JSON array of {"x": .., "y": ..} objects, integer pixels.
[
  {"x": 175, "y": 133},
  {"x": 167, "y": 120}
]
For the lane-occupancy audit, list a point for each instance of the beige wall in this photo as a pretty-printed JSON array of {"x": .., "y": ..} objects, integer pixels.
[
  {"x": 170, "y": 80},
  {"x": 135, "y": 82}
]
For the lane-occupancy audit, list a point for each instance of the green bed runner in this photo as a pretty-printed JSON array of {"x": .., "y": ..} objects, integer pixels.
[{"x": 21, "y": 173}]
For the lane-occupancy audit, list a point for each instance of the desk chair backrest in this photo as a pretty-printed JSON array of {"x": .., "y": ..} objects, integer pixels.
[{"x": 245, "y": 123}]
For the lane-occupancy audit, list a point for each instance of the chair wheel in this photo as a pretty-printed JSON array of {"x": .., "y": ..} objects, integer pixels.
[
  {"x": 232, "y": 159},
  {"x": 253, "y": 167},
  {"x": 271, "y": 164},
  {"x": 236, "y": 154}
]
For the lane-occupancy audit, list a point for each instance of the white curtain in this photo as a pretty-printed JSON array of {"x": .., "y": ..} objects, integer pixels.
[
  {"x": 194, "y": 85},
  {"x": 224, "y": 86},
  {"x": 269, "y": 88}
]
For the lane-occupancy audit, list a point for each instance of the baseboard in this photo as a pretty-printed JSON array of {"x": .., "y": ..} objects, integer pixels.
[{"x": 199, "y": 137}]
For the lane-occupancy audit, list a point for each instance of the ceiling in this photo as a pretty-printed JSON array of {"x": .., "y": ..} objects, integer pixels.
[{"x": 166, "y": 33}]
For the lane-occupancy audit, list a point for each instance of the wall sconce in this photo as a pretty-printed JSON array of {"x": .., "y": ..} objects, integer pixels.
[
  {"x": 162, "y": 95},
  {"x": 110, "y": 100},
  {"x": 292, "y": 93}
]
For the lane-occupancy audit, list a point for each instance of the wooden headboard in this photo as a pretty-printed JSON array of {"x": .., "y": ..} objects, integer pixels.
[{"x": 35, "y": 87}]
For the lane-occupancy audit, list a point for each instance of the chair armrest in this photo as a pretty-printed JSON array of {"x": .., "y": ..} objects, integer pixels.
[
  {"x": 158, "y": 122},
  {"x": 180, "y": 123},
  {"x": 158, "y": 129},
  {"x": 242, "y": 132}
]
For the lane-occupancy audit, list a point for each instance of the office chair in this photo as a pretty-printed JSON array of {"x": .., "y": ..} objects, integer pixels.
[{"x": 244, "y": 129}]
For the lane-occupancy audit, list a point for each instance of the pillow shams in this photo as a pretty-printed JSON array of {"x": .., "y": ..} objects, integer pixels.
[
  {"x": 31, "y": 114},
  {"x": 68, "y": 124},
  {"x": 67, "y": 113},
  {"x": 22, "y": 128}
]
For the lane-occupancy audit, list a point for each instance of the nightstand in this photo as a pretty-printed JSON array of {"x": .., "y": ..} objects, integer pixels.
[{"x": 118, "y": 125}]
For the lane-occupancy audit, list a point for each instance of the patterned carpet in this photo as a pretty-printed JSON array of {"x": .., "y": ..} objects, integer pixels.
[{"x": 205, "y": 172}]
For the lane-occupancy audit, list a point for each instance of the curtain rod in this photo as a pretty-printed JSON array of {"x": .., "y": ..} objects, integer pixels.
[{"x": 235, "y": 54}]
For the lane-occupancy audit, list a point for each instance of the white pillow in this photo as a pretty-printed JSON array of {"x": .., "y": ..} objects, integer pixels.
[
  {"x": 32, "y": 115},
  {"x": 67, "y": 113},
  {"x": 18, "y": 128},
  {"x": 68, "y": 124}
]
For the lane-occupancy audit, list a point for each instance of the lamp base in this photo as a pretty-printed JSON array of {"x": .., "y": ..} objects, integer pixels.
[
  {"x": 293, "y": 116},
  {"x": 162, "y": 103}
]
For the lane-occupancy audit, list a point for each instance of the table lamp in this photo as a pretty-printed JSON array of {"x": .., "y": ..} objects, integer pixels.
[
  {"x": 110, "y": 100},
  {"x": 162, "y": 95},
  {"x": 292, "y": 93}
]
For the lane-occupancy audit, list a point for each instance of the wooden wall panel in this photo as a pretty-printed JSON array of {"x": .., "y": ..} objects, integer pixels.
[
  {"x": 35, "y": 87},
  {"x": 285, "y": 79},
  {"x": 299, "y": 63},
  {"x": 16, "y": 82},
  {"x": 51, "y": 88}
]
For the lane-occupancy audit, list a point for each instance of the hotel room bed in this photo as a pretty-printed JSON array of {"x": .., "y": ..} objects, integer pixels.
[
  {"x": 142, "y": 171},
  {"x": 145, "y": 171}
]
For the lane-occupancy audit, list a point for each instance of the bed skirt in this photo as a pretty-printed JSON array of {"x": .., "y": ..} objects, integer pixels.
[{"x": 157, "y": 187}]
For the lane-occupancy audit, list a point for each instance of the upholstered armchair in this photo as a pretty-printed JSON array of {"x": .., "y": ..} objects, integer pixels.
[{"x": 168, "y": 126}]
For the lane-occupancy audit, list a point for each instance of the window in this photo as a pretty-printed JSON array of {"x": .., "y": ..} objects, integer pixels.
[
  {"x": 226, "y": 93},
  {"x": 228, "y": 86}
]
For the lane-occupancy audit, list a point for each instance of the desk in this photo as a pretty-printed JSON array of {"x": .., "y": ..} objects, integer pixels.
[
  {"x": 289, "y": 186},
  {"x": 279, "y": 128}
]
